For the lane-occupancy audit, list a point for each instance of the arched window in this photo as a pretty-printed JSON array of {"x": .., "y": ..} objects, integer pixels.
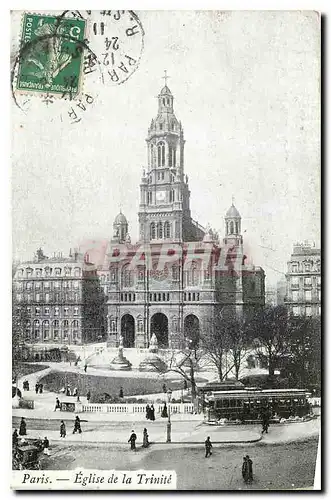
[
  {"x": 231, "y": 227},
  {"x": 195, "y": 272},
  {"x": 237, "y": 227},
  {"x": 75, "y": 324},
  {"x": 227, "y": 228},
  {"x": 159, "y": 230},
  {"x": 163, "y": 101},
  {"x": 152, "y": 155},
  {"x": 127, "y": 276},
  {"x": 167, "y": 229},
  {"x": 36, "y": 328},
  {"x": 152, "y": 231},
  {"x": 170, "y": 156},
  {"x": 46, "y": 330},
  {"x": 161, "y": 154}
]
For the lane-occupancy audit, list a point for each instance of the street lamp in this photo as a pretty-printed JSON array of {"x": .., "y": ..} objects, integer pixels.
[{"x": 169, "y": 392}]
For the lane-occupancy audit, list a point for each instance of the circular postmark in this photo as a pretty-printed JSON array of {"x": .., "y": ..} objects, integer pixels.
[
  {"x": 72, "y": 56},
  {"x": 117, "y": 38}
]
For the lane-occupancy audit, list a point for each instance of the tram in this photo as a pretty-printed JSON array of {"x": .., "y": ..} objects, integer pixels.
[{"x": 250, "y": 403}]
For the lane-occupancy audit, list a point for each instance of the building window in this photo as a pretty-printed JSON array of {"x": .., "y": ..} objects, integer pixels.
[
  {"x": 159, "y": 230},
  {"x": 127, "y": 277},
  {"x": 37, "y": 297},
  {"x": 318, "y": 280},
  {"x": 295, "y": 296},
  {"x": 295, "y": 267},
  {"x": 29, "y": 272},
  {"x": 18, "y": 297},
  {"x": 307, "y": 267},
  {"x": 67, "y": 271},
  {"x": 308, "y": 295},
  {"x": 113, "y": 275},
  {"x": 318, "y": 266},
  {"x": 46, "y": 297},
  {"x": 66, "y": 311},
  {"x": 28, "y": 310},
  {"x": 46, "y": 284},
  {"x": 113, "y": 325},
  {"x": 153, "y": 232},
  {"x": 171, "y": 196},
  {"x": 46, "y": 311},
  {"x": 29, "y": 285},
  {"x": 307, "y": 281},
  {"x": 29, "y": 297},
  {"x": 46, "y": 330},
  {"x": 296, "y": 311},
  {"x": 36, "y": 328},
  {"x": 308, "y": 311},
  {"x": 75, "y": 311},
  {"x": 175, "y": 272},
  {"x": 167, "y": 229},
  {"x": 149, "y": 194},
  {"x": 319, "y": 295},
  {"x": 77, "y": 271},
  {"x": 57, "y": 271},
  {"x": 161, "y": 153},
  {"x": 37, "y": 285},
  {"x": 37, "y": 311},
  {"x": 319, "y": 310},
  {"x": 56, "y": 311}
]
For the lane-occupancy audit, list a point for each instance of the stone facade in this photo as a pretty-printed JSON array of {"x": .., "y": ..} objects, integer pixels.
[
  {"x": 303, "y": 297},
  {"x": 178, "y": 299},
  {"x": 58, "y": 300}
]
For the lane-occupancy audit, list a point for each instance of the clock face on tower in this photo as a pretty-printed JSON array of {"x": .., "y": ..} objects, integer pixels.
[{"x": 160, "y": 195}]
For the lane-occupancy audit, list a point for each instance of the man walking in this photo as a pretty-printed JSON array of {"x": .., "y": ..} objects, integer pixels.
[
  {"x": 77, "y": 426},
  {"x": 132, "y": 440},
  {"x": 247, "y": 469},
  {"x": 208, "y": 447},
  {"x": 63, "y": 431},
  {"x": 57, "y": 404},
  {"x": 46, "y": 446}
]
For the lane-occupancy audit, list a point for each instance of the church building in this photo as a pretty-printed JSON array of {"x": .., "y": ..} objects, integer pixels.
[{"x": 201, "y": 280}]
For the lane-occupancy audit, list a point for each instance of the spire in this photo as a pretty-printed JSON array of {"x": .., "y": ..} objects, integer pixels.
[{"x": 165, "y": 77}]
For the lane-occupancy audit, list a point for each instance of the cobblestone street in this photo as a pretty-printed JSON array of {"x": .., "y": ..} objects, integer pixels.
[{"x": 283, "y": 466}]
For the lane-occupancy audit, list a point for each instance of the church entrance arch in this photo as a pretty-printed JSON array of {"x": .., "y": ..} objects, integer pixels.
[
  {"x": 192, "y": 330},
  {"x": 128, "y": 330},
  {"x": 159, "y": 326}
]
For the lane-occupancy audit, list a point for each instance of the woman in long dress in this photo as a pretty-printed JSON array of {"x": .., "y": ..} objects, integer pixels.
[{"x": 145, "y": 439}]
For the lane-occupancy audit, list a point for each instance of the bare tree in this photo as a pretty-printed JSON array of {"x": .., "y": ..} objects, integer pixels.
[{"x": 271, "y": 333}]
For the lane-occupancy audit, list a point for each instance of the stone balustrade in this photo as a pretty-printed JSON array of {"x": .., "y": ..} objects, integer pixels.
[{"x": 134, "y": 408}]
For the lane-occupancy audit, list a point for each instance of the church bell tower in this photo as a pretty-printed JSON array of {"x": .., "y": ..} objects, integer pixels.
[{"x": 164, "y": 210}]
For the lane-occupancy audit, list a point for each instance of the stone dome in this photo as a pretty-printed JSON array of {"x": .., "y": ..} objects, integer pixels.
[
  {"x": 120, "y": 219},
  {"x": 232, "y": 212}
]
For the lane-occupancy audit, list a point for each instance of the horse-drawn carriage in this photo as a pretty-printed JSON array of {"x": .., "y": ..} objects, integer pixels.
[{"x": 26, "y": 455}]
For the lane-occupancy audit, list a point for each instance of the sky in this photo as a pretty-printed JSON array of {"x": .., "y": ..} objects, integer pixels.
[{"x": 247, "y": 91}]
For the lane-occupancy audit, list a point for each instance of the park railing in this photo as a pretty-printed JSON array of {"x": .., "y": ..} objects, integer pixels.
[{"x": 134, "y": 408}]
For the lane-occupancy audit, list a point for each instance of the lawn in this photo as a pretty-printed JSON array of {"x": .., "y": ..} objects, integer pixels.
[
  {"x": 97, "y": 384},
  {"x": 22, "y": 369}
]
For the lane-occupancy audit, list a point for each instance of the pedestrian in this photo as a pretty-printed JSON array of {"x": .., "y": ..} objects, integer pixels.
[
  {"x": 85, "y": 368},
  {"x": 88, "y": 396},
  {"x": 22, "y": 431},
  {"x": 27, "y": 385},
  {"x": 132, "y": 440},
  {"x": 152, "y": 413},
  {"x": 265, "y": 422},
  {"x": 63, "y": 431},
  {"x": 121, "y": 393},
  {"x": 41, "y": 387},
  {"x": 208, "y": 447},
  {"x": 75, "y": 393},
  {"x": 15, "y": 438},
  {"x": 77, "y": 426},
  {"x": 57, "y": 404},
  {"x": 164, "y": 413},
  {"x": 148, "y": 412},
  {"x": 68, "y": 391},
  {"x": 247, "y": 469},
  {"x": 37, "y": 388},
  {"x": 46, "y": 446},
  {"x": 145, "y": 439},
  {"x": 164, "y": 388}
]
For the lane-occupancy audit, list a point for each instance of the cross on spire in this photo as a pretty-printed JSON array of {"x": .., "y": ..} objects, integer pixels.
[
  {"x": 165, "y": 77},
  {"x": 232, "y": 200}
]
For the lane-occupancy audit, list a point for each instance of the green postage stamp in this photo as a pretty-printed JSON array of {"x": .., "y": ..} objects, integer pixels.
[{"x": 51, "y": 55}]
